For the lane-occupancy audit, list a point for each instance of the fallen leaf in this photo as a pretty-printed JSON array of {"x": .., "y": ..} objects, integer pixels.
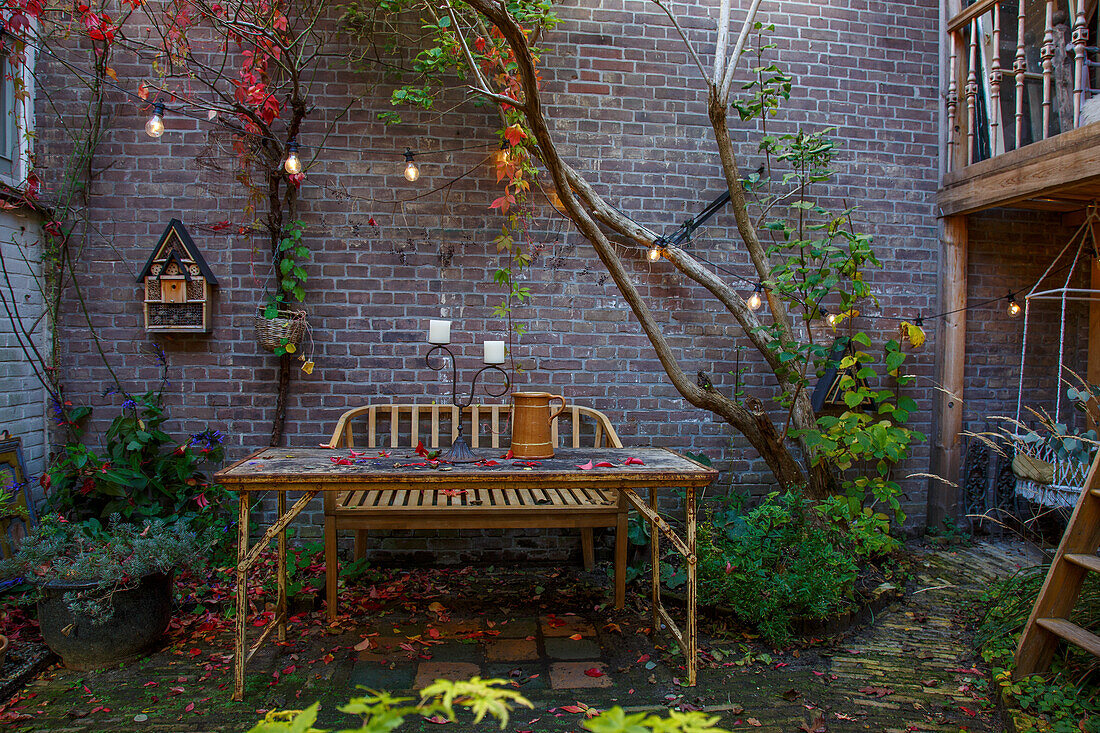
[
  {"x": 436, "y": 607},
  {"x": 594, "y": 672},
  {"x": 585, "y": 467},
  {"x": 632, "y": 461},
  {"x": 817, "y": 725},
  {"x": 364, "y": 645},
  {"x": 437, "y": 719},
  {"x": 572, "y": 709},
  {"x": 753, "y": 722},
  {"x": 575, "y": 637},
  {"x": 603, "y": 464},
  {"x": 643, "y": 659},
  {"x": 189, "y": 708},
  {"x": 877, "y": 691}
]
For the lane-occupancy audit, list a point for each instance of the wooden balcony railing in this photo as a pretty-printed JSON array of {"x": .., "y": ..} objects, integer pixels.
[{"x": 1023, "y": 70}]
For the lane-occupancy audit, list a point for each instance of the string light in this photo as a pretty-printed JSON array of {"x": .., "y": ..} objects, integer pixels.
[
  {"x": 293, "y": 164},
  {"x": 830, "y": 318},
  {"x": 756, "y": 299},
  {"x": 1013, "y": 307},
  {"x": 654, "y": 253},
  {"x": 412, "y": 173},
  {"x": 155, "y": 126}
]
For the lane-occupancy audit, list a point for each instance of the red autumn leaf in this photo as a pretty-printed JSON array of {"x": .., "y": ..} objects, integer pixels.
[
  {"x": 433, "y": 633},
  {"x": 437, "y": 719},
  {"x": 324, "y": 445},
  {"x": 503, "y": 203},
  {"x": 643, "y": 659},
  {"x": 420, "y": 449},
  {"x": 143, "y": 92},
  {"x": 150, "y": 684},
  {"x": 453, "y": 492},
  {"x": 328, "y": 659},
  {"x": 175, "y": 690},
  {"x": 632, "y": 461},
  {"x": 876, "y": 691},
  {"x": 341, "y": 461},
  {"x": 189, "y": 708},
  {"x": 289, "y": 670},
  {"x": 488, "y": 462},
  {"x": 555, "y": 622},
  {"x": 513, "y": 134},
  {"x": 585, "y": 467},
  {"x": 572, "y": 709},
  {"x": 371, "y": 222},
  {"x": 576, "y": 637},
  {"x": 594, "y": 672},
  {"x": 604, "y": 464},
  {"x": 508, "y": 454},
  {"x": 968, "y": 711},
  {"x": 220, "y": 225}
]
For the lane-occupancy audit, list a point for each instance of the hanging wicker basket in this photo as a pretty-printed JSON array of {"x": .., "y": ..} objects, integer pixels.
[{"x": 289, "y": 325}]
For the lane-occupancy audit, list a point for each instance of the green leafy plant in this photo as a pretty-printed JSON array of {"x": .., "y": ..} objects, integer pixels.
[
  {"x": 143, "y": 474},
  {"x": 774, "y": 564},
  {"x": 440, "y": 701},
  {"x": 1067, "y": 698},
  {"x": 290, "y": 259},
  {"x": 115, "y": 557}
]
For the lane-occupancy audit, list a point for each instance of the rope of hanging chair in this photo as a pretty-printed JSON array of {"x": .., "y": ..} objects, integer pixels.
[{"x": 1080, "y": 232}]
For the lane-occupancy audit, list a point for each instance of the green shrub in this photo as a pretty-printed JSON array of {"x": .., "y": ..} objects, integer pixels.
[
  {"x": 775, "y": 564},
  {"x": 115, "y": 557},
  {"x": 1067, "y": 698}
]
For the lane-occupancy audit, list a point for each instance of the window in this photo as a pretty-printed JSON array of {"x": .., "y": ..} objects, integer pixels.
[{"x": 15, "y": 93}]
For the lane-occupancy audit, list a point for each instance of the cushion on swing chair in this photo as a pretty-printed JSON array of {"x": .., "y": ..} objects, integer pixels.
[{"x": 1033, "y": 469}]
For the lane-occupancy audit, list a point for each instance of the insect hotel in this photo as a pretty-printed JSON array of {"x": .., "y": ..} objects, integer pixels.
[{"x": 178, "y": 284}]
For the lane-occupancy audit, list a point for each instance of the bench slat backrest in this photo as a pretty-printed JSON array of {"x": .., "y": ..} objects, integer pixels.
[{"x": 384, "y": 423}]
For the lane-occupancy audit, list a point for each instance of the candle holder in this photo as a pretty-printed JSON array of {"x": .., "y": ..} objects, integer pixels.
[{"x": 460, "y": 451}]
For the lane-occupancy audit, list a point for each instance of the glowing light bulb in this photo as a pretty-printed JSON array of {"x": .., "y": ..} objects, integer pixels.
[
  {"x": 412, "y": 173},
  {"x": 654, "y": 253},
  {"x": 155, "y": 126},
  {"x": 1013, "y": 307},
  {"x": 293, "y": 164},
  {"x": 831, "y": 319},
  {"x": 756, "y": 299}
]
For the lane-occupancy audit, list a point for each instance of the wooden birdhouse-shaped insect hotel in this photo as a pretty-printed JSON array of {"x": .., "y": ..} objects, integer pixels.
[{"x": 178, "y": 285}]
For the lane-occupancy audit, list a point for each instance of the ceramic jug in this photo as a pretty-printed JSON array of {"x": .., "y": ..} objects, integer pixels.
[{"x": 531, "y": 418}]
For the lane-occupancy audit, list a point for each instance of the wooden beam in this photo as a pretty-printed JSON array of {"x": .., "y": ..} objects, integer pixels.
[
  {"x": 970, "y": 13},
  {"x": 943, "y": 492},
  {"x": 1064, "y": 161}
]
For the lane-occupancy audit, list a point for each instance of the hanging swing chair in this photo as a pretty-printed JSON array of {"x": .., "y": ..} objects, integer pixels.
[{"x": 1046, "y": 472}]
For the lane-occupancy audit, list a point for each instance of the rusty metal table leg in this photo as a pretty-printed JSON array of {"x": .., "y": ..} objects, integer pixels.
[
  {"x": 655, "y": 561},
  {"x": 691, "y": 561},
  {"x": 280, "y": 608},
  {"x": 240, "y": 642}
]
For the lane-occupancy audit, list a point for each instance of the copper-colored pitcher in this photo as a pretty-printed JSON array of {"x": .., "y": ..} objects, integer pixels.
[{"x": 531, "y": 418}]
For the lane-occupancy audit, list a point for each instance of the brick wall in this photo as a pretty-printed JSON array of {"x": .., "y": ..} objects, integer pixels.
[
  {"x": 629, "y": 113},
  {"x": 22, "y": 399}
]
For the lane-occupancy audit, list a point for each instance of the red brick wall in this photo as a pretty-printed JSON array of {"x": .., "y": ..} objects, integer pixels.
[{"x": 629, "y": 112}]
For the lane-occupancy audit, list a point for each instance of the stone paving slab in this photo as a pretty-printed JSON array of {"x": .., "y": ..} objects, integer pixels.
[{"x": 913, "y": 670}]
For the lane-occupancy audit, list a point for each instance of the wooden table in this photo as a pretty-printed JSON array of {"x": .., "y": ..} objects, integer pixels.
[{"x": 313, "y": 471}]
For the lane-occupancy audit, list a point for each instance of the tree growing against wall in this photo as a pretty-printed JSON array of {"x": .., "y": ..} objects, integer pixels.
[{"x": 802, "y": 255}]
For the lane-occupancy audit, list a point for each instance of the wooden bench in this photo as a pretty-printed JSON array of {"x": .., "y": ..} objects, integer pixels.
[{"x": 396, "y": 426}]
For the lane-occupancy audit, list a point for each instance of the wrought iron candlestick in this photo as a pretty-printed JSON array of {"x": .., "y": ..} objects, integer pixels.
[{"x": 460, "y": 451}]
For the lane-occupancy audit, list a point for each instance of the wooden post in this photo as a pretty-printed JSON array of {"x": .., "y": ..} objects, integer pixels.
[
  {"x": 943, "y": 495},
  {"x": 280, "y": 607},
  {"x": 655, "y": 561}
]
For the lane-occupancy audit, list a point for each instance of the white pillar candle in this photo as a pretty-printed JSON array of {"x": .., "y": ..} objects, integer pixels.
[
  {"x": 439, "y": 332},
  {"x": 494, "y": 352}
]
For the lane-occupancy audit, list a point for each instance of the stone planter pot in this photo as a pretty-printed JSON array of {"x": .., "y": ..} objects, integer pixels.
[{"x": 141, "y": 615}]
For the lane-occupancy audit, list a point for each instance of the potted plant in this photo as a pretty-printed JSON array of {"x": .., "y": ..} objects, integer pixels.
[
  {"x": 104, "y": 592},
  {"x": 279, "y": 328}
]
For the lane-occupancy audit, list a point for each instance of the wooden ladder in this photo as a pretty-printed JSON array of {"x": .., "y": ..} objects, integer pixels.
[{"x": 1049, "y": 619}]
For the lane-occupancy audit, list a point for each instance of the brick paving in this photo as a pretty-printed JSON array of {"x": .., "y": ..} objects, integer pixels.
[{"x": 911, "y": 670}]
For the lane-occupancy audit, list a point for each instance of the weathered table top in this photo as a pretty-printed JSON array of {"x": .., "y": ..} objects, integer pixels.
[{"x": 335, "y": 469}]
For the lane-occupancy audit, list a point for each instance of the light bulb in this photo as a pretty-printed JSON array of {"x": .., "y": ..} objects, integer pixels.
[
  {"x": 293, "y": 164},
  {"x": 654, "y": 253},
  {"x": 755, "y": 300},
  {"x": 412, "y": 173},
  {"x": 831, "y": 319},
  {"x": 155, "y": 126},
  {"x": 1013, "y": 307}
]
